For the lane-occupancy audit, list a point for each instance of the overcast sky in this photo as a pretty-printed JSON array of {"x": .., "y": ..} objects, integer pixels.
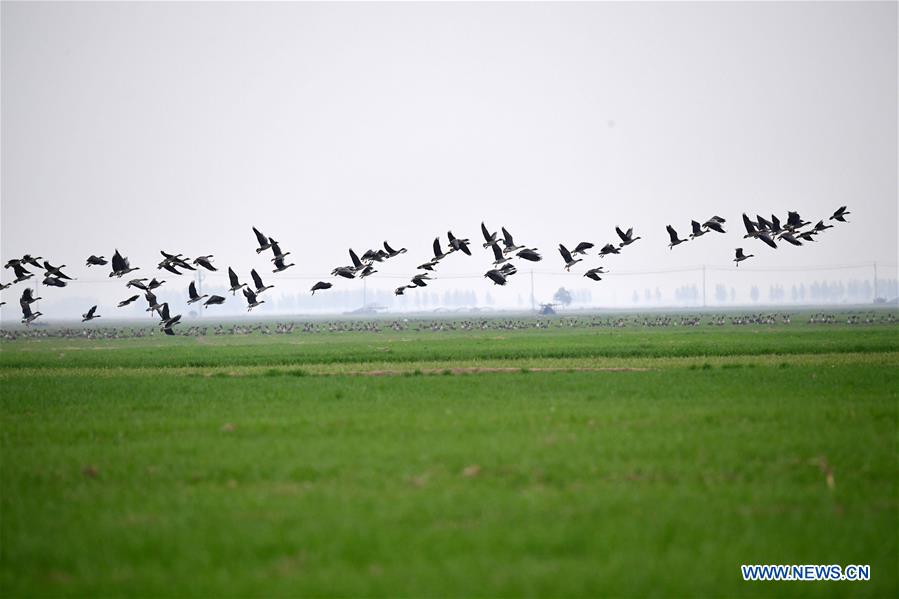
[{"x": 148, "y": 126}]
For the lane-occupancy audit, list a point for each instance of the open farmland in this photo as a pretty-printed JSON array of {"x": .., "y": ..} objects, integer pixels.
[{"x": 563, "y": 461}]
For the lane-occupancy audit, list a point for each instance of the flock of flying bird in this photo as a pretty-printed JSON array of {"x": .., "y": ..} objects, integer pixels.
[{"x": 794, "y": 230}]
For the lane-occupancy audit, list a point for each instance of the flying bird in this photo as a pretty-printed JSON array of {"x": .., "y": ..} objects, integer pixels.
[
  {"x": 257, "y": 281},
  {"x": 839, "y": 214},
  {"x": 235, "y": 283},
  {"x": 96, "y": 261},
  {"x": 496, "y": 276},
  {"x": 28, "y": 316},
  {"x": 55, "y": 271},
  {"x": 594, "y": 273},
  {"x": 125, "y": 302},
  {"x": 509, "y": 243},
  {"x": 193, "y": 295},
  {"x": 529, "y": 254},
  {"x": 458, "y": 244},
  {"x": 90, "y": 315},
  {"x": 608, "y": 249},
  {"x": 205, "y": 262},
  {"x": 279, "y": 265},
  {"x": 392, "y": 252},
  {"x": 321, "y": 286},
  {"x": 214, "y": 300},
  {"x": 581, "y": 248},
  {"x": 498, "y": 256},
  {"x": 673, "y": 235},
  {"x": 120, "y": 265},
  {"x": 264, "y": 242},
  {"x": 53, "y": 282},
  {"x": 740, "y": 256},
  {"x": 252, "y": 301},
  {"x": 489, "y": 238},
  {"x": 626, "y": 238},
  {"x": 566, "y": 256}
]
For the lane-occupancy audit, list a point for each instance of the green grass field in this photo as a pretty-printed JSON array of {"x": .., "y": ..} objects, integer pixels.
[{"x": 559, "y": 462}]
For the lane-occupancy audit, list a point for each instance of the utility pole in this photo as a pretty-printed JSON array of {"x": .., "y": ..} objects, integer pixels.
[
  {"x": 875, "y": 279},
  {"x": 200, "y": 277},
  {"x": 532, "y": 290}
]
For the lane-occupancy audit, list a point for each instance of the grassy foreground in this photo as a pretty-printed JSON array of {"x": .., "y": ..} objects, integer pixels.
[{"x": 274, "y": 466}]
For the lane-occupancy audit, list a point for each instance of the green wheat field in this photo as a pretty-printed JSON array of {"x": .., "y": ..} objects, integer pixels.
[{"x": 564, "y": 461}]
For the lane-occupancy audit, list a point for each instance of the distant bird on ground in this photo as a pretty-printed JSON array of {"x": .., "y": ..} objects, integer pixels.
[
  {"x": 214, "y": 300},
  {"x": 321, "y": 286},
  {"x": 529, "y": 254},
  {"x": 55, "y": 271},
  {"x": 740, "y": 256},
  {"x": 489, "y": 238},
  {"x": 608, "y": 249},
  {"x": 235, "y": 282},
  {"x": 120, "y": 265},
  {"x": 509, "y": 243},
  {"x": 125, "y": 302},
  {"x": 96, "y": 261},
  {"x": 566, "y": 256},
  {"x": 205, "y": 262},
  {"x": 252, "y": 301},
  {"x": 193, "y": 295},
  {"x": 53, "y": 282},
  {"x": 594, "y": 273},
  {"x": 498, "y": 256},
  {"x": 90, "y": 315},
  {"x": 458, "y": 244},
  {"x": 392, "y": 252},
  {"x": 581, "y": 248},
  {"x": 673, "y": 235},
  {"x": 280, "y": 266},
  {"x": 257, "y": 281},
  {"x": 28, "y": 316},
  {"x": 840, "y": 214},
  {"x": 264, "y": 242},
  {"x": 626, "y": 238}
]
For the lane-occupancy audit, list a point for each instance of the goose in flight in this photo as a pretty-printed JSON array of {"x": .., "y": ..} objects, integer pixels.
[
  {"x": 175, "y": 260},
  {"x": 498, "y": 255},
  {"x": 698, "y": 231},
  {"x": 626, "y": 238},
  {"x": 5, "y": 286},
  {"x": 139, "y": 283},
  {"x": 581, "y": 248},
  {"x": 120, "y": 265},
  {"x": 235, "y": 283},
  {"x": 714, "y": 224},
  {"x": 55, "y": 271},
  {"x": 508, "y": 242},
  {"x": 153, "y": 284},
  {"x": 594, "y": 273},
  {"x": 788, "y": 237},
  {"x": 402, "y": 288},
  {"x": 608, "y": 249},
  {"x": 214, "y": 300},
  {"x": 566, "y": 256},
  {"x": 346, "y": 272},
  {"x": 125, "y": 302},
  {"x": 276, "y": 250},
  {"x": 152, "y": 303},
  {"x": 279, "y": 265},
  {"x": 374, "y": 255},
  {"x": 205, "y": 262},
  {"x": 489, "y": 238},
  {"x": 90, "y": 314},
  {"x": 264, "y": 242},
  {"x": 740, "y": 256},
  {"x": 28, "y": 297},
  {"x": 257, "y": 281},
  {"x": 169, "y": 267},
  {"x": 193, "y": 295},
  {"x": 438, "y": 251},
  {"x": 96, "y": 261},
  {"x": 508, "y": 269},
  {"x": 673, "y": 235},
  {"x": 429, "y": 265},
  {"x": 368, "y": 270},
  {"x": 458, "y": 244},
  {"x": 496, "y": 276},
  {"x": 53, "y": 282},
  {"x": 28, "y": 316},
  {"x": 419, "y": 280},
  {"x": 321, "y": 286},
  {"x": 807, "y": 235},
  {"x": 357, "y": 263},
  {"x": 392, "y": 252},
  {"x": 33, "y": 260},
  {"x": 21, "y": 273},
  {"x": 529, "y": 254},
  {"x": 252, "y": 301},
  {"x": 794, "y": 221},
  {"x": 820, "y": 227},
  {"x": 167, "y": 321},
  {"x": 840, "y": 214}
]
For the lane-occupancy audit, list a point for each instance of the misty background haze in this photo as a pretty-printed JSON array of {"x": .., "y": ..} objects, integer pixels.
[{"x": 175, "y": 126}]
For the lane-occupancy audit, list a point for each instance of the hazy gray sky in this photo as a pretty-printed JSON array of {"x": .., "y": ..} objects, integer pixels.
[{"x": 178, "y": 126}]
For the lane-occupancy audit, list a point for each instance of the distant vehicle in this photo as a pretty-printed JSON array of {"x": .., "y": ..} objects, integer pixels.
[{"x": 547, "y": 310}]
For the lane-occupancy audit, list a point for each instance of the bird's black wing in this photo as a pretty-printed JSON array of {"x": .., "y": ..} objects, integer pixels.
[
  {"x": 566, "y": 255},
  {"x": 262, "y": 239},
  {"x": 233, "y": 277},
  {"x": 257, "y": 280},
  {"x": 192, "y": 291},
  {"x": 486, "y": 234},
  {"x": 497, "y": 253},
  {"x": 621, "y": 234},
  {"x": 671, "y": 233},
  {"x": 118, "y": 263},
  {"x": 507, "y": 237}
]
